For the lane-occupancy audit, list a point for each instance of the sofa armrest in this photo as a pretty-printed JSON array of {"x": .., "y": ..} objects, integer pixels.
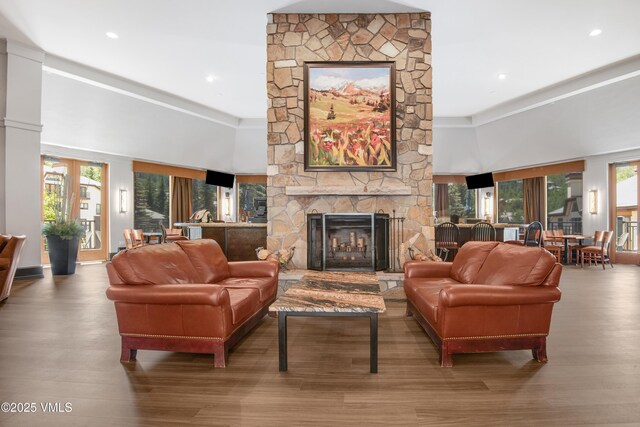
[
  {"x": 253, "y": 269},
  {"x": 188, "y": 294},
  {"x": 426, "y": 269},
  {"x": 478, "y": 294}
]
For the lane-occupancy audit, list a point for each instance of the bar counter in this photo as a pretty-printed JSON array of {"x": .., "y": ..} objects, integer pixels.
[{"x": 238, "y": 240}]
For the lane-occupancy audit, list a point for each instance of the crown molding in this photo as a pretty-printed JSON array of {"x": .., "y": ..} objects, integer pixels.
[
  {"x": 601, "y": 77},
  {"x": 253, "y": 123},
  {"x": 452, "y": 122},
  {"x": 8, "y": 46},
  {"x": 82, "y": 73}
]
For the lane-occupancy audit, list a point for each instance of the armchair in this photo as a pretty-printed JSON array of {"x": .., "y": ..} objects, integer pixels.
[{"x": 10, "y": 249}]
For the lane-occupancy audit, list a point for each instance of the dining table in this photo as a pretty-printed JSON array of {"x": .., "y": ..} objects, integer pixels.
[
  {"x": 566, "y": 237},
  {"x": 155, "y": 235}
]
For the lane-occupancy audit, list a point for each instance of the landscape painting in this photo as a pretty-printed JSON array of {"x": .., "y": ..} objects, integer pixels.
[{"x": 349, "y": 111}]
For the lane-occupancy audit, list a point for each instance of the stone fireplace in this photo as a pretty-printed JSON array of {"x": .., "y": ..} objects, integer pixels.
[
  {"x": 347, "y": 241},
  {"x": 294, "y": 193}
]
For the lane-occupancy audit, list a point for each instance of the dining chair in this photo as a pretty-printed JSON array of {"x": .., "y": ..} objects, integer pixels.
[
  {"x": 597, "y": 239},
  {"x": 598, "y": 252},
  {"x": 533, "y": 235},
  {"x": 447, "y": 234},
  {"x": 128, "y": 238},
  {"x": 171, "y": 234},
  {"x": 138, "y": 238},
  {"x": 483, "y": 231},
  {"x": 552, "y": 244}
]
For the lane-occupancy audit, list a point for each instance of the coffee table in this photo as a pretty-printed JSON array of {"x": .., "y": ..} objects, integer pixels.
[{"x": 331, "y": 294}]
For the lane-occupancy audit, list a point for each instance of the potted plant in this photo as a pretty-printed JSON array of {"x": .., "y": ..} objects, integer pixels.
[{"x": 62, "y": 232}]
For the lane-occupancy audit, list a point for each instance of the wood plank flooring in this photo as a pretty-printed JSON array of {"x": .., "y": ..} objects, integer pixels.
[{"x": 59, "y": 343}]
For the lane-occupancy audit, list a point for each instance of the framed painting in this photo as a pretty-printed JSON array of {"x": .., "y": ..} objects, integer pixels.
[{"x": 349, "y": 116}]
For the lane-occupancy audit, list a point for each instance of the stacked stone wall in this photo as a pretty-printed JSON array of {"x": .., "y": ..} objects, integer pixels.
[{"x": 293, "y": 39}]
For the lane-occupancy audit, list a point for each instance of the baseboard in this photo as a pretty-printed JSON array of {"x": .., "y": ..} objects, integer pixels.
[{"x": 24, "y": 272}]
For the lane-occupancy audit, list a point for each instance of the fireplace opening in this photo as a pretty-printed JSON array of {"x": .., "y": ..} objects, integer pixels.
[{"x": 348, "y": 242}]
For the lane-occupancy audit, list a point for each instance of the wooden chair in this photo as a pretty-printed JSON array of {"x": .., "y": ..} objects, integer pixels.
[
  {"x": 483, "y": 231},
  {"x": 552, "y": 244},
  {"x": 598, "y": 252},
  {"x": 138, "y": 238},
  {"x": 128, "y": 238},
  {"x": 597, "y": 239},
  {"x": 447, "y": 235},
  {"x": 171, "y": 234}
]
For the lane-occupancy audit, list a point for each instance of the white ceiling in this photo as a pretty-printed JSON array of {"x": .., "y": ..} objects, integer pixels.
[{"x": 172, "y": 45}]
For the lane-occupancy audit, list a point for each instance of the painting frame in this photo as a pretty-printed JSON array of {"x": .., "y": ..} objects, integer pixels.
[{"x": 389, "y": 129}]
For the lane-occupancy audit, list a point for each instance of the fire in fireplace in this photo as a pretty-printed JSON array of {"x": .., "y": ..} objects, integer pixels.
[{"x": 348, "y": 241}]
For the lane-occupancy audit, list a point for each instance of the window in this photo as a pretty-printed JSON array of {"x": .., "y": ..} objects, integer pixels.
[
  {"x": 457, "y": 199},
  {"x": 84, "y": 206},
  {"x": 83, "y": 192},
  {"x": 564, "y": 202},
  {"x": 510, "y": 202},
  {"x": 151, "y": 201},
  {"x": 204, "y": 196},
  {"x": 98, "y": 209},
  {"x": 252, "y": 202}
]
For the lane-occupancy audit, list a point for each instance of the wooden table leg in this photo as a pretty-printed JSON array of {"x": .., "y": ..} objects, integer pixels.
[
  {"x": 373, "y": 324},
  {"x": 282, "y": 340}
]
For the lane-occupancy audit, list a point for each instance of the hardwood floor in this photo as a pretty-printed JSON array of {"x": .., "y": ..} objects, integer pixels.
[{"x": 59, "y": 343}]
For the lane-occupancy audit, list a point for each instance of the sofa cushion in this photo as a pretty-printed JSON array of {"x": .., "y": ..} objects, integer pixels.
[
  {"x": 207, "y": 257},
  {"x": 426, "y": 301},
  {"x": 244, "y": 303},
  {"x": 516, "y": 265},
  {"x": 412, "y": 285},
  {"x": 469, "y": 260},
  {"x": 266, "y": 286},
  {"x": 155, "y": 264}
]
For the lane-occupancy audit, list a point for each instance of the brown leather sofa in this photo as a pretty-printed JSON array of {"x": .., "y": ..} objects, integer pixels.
[
  {"x": 492, "y": 297},
  {"x": 10, "y": 248},
  {"x": 185, "y": 296}
]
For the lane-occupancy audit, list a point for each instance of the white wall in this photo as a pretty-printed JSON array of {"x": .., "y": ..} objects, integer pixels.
[
  {"x": 455, "y": 151},
  {"x": 89, "y": 117},
  {"x": 250, "y": 153},
  {"x": 601, "y": 120}
]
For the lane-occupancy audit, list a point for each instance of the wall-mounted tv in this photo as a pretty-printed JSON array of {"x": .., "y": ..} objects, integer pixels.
[
  {"x": 482, "y": 180},
  {"x": 220, "y": 179}
]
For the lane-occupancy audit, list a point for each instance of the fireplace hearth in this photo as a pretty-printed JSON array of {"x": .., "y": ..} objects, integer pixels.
[{"x": 348, "y": 242}]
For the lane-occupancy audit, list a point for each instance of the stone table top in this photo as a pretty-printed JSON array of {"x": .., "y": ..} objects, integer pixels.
[{"x": 333, "y": 292}]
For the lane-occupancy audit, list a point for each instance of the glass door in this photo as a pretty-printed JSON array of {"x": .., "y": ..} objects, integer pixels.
[
  {"x": 625, "y": 220},
  {"x": 78, "y": 188}
]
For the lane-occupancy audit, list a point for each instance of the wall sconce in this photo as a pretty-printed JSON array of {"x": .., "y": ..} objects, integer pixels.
[
  {"x": 124, "y": 200},
  {"x": 593, "y": 202},
  {"x": 488, "y": 206},
  {"x": 227, "y": 204}
]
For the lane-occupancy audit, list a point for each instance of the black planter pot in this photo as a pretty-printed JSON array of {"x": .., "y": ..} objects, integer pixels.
[{"x": 63, "y": 254}]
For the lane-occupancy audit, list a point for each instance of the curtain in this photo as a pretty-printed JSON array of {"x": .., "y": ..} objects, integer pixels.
[
  {"x": 181, "y": 204},
  {"x": 533, "y": 199},
  {"x": 442, "y": 199}
]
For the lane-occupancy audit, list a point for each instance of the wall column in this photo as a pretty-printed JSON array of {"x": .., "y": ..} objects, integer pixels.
[{"x": 20, "y": 129}]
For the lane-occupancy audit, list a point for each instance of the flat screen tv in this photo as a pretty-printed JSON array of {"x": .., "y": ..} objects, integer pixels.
[
  {"x": 482, "y": 180},
  {"x": 220, "y": 179}
]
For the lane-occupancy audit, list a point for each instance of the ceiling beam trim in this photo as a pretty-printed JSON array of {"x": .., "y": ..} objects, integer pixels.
[{"x": 71, "y": 70}]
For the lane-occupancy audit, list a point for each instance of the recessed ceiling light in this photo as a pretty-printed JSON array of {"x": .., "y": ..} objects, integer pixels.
[
  {"x": 595, "y": 32},
  {"x": 111, "y": 35},
  {"x": 502, "y": 76},
  {"x": 211, "y": 78}
]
